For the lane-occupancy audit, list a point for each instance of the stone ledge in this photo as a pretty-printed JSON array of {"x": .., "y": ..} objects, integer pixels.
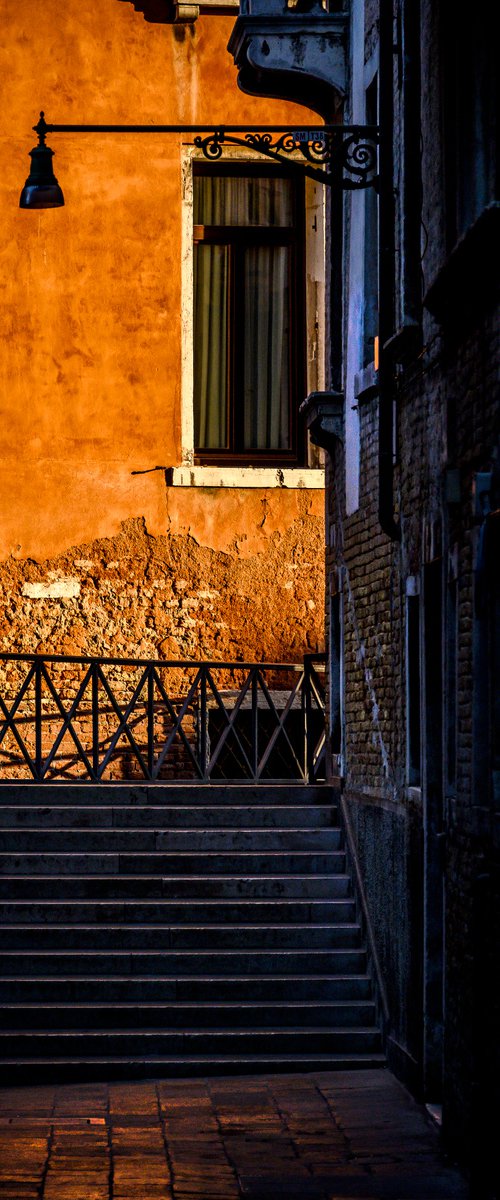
[
  {"x": 246, "y": 477},
  {"x": 366, "y": 383}
]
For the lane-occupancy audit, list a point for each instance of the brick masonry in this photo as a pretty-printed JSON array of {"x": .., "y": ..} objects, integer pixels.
[{"x": 447, "y": 409}]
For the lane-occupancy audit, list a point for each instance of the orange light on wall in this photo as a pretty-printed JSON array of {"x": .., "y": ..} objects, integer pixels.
[{"x": 375, "y": 351}]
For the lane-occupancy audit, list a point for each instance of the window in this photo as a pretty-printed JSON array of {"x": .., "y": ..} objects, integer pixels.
[
  {"x": 451, "y": 685},
  {"x": 470, "y": 78},
  {"x": 248, "y": 315},
  {"x": 413, "y": 686}
]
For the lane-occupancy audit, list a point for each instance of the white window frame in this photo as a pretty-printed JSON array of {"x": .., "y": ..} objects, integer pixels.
[{"x": 187, "y": 474}]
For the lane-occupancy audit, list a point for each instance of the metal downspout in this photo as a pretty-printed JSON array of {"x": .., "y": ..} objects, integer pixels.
[{"x": 386, "y": 274}]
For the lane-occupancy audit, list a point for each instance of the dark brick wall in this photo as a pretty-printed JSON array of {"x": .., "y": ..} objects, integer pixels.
[{"x": 447, "y": 394}]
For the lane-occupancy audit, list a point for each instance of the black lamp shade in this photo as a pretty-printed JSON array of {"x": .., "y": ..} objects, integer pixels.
[{"x": 41, "y": 189}]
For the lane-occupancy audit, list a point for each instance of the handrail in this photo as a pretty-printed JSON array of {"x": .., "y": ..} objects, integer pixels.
[
  {"x": 353, "y": 858},
  {"x": 160, "y": 662},
  {"x": 130, "y": 719}
]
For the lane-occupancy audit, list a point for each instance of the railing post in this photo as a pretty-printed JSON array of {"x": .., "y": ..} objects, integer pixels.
[
  {"x": 255, "y": 723},
  {"x": 95, "y": 719},
  {"x": 308, "y": 724},
  {"x": 38, "y": 720},
  {"x": 203, "y": 721},
  {"x": 150, "y": 719}
]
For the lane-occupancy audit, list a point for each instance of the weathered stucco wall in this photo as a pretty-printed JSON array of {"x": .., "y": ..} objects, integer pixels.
[
  {"x": 90, "y": 357},
  {"x": 172, "y": 596}
]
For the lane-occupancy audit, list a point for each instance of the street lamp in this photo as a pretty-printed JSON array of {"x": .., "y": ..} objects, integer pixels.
[
  {"x": 41, "y": 189},
  {"x": 340, "y": 156}
]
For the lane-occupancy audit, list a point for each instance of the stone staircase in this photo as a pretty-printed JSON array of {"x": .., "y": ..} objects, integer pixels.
[{"x": 178, "y": 930}]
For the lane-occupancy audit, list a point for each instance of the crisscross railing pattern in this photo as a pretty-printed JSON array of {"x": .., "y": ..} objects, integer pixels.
[{"x": 101, "y": 719}]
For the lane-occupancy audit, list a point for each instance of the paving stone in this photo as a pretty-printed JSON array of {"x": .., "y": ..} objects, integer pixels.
[
  {"x": 329, "y": 1136},
  {"x": 404, "y": 1188},
  {"x": 142, "y": 1193},
  {"x": 259, "y": 1189},
  {"x": 18, "y": 1171},
  {"x": 75, "y": 1189},
  {"x": 30, "y": 1192}
]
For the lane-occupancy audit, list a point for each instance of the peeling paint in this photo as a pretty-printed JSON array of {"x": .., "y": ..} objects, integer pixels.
[
  {"x": 57, "y": 589},
  {"x": 168, "y": 597}
]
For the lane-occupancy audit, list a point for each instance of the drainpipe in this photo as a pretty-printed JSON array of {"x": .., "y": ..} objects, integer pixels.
[
  {"x": 412, "y": 174},
  {"x": 386, "y": 273}
]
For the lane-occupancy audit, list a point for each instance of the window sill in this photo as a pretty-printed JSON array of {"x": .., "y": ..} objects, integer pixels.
[
  {"x": 366, "y": 383},
  {"x": 246, "y": 477}
]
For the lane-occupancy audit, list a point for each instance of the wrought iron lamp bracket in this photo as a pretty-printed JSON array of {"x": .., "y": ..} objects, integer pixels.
[{"x": 340, "y": 156}]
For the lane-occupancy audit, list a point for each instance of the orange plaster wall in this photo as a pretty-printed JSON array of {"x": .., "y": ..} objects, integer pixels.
[{"x": 90, "y": 294}]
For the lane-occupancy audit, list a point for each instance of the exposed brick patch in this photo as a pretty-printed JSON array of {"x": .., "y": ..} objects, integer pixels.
[{"x": 169, "y": 597}]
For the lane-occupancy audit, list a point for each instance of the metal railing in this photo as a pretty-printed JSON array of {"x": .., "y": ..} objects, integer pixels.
[{"x": 84, "y": 719}]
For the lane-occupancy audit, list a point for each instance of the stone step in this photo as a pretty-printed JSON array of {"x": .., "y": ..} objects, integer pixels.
[
  {"x": 272, "y": 1014},
  {"x": 46, "y": 1044},
  {"x": 163, "y": 863},
  {"x": 180, "y": 937},
  {"x": 210, "y": 989},
  {"x": 172, "y": 841},
  {"x": 187, "y": 912},
  {"x": 174, "y": 962},
  {"x": 181, "y": 794},
  {"x": 168, "y": 816},
  {"x": 180, "y": 887},
  {"x": 178, "y": 930},
  {"x": 67, "y": 1070}
]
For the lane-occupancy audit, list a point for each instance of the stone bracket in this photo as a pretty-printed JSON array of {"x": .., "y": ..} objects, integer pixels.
[
  {"x": 292, "y": 55},
  {"x": 324, "y": 416}
]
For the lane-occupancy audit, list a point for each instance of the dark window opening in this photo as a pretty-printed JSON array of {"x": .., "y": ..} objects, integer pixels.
[
  {"x": 470, "y": 95},
  {"x": 413, "y": 684},
  {"x": 494, "y": 567},
  {"x": 451, "y": 687},
  {"x": 434, "y": 905},
  {"x": 335, "y": 673},
  {"x": 287, "y": 756}
]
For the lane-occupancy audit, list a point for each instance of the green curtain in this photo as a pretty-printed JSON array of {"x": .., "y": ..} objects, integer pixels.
[
  {"x": 266, "y": 359},
  {"x": 210, "y": 345},
  {"x": 242, "y": 200},
  {"x": 264, "y": 348}
]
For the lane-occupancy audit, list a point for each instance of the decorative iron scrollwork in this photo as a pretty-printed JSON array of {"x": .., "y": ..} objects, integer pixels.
[
  {"x": 340, "y": 155},
  {"x": 211, "y": 145},
  {"x": 359, "y": 160},
  {"x": 264, "y": 141}
]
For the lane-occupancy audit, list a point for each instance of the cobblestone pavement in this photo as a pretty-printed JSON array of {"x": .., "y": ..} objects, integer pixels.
[{"x": 328, "y": 1135}]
